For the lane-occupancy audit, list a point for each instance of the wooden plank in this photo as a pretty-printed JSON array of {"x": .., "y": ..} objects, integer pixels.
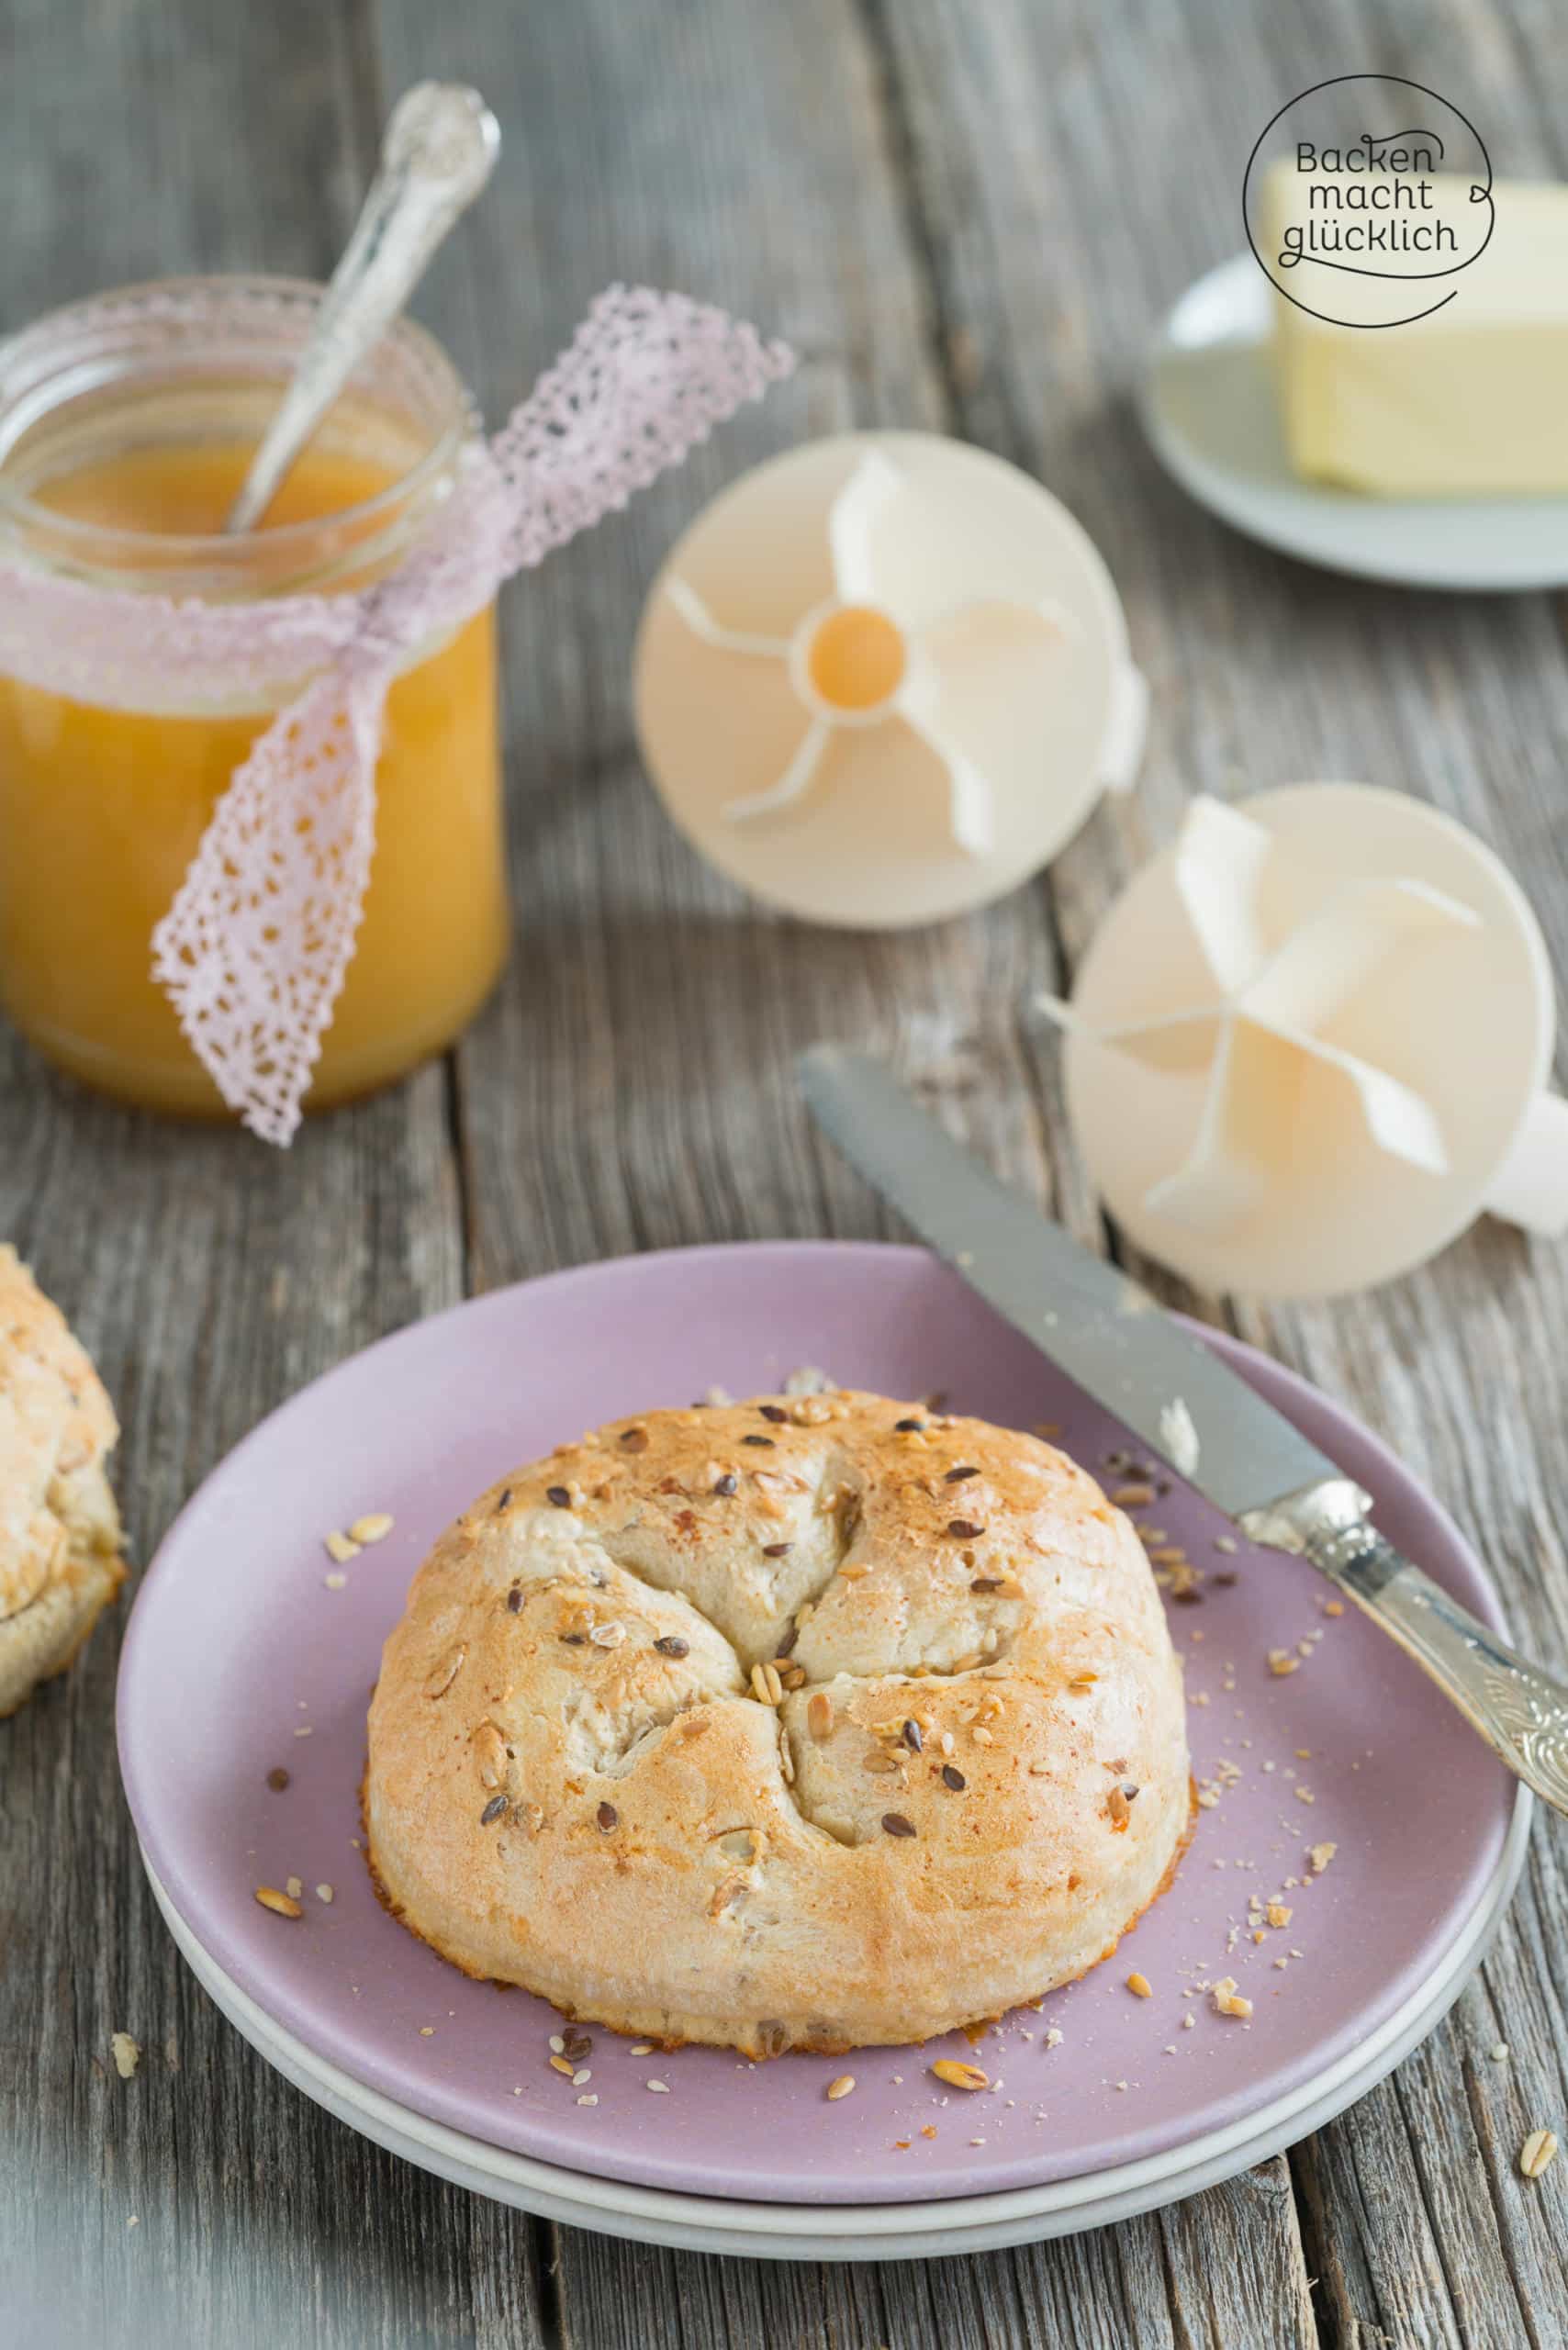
[
  {"x": 961, "y": 217},
  {"x": 634, "y": 1087},
  {"x": 210, "y": 1277},
  {"x": 1049, "y": 273},
  {"x": 1200, "y": 2273},
  {"x": 1236, "y": 2265}
]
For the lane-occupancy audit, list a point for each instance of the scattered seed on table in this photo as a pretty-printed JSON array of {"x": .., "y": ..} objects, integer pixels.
[
  {"x": 660, "y": 2088},
  {"x": 1140, "y": 1986},
  {"x": 127, "y": 2053},
  {"x": 841, "y": 2088},
  {"x": 281, "y": 1904},
  {"x": 374, "y": 1527},
  {"x": 277, "y": 1779},
  {"x": 1539, "y": 2149},
  {"x": 341, "y": 1548},
  {"x": 324, "y": 1893}
]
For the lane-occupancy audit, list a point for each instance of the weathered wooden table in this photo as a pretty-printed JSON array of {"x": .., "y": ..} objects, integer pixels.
[{"x": 966, "y": 214}]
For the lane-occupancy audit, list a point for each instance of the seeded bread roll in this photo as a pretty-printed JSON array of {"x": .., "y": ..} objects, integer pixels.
[
  {"x": 59, "y": 1528},
  {"x": 809, "y": 1722}
]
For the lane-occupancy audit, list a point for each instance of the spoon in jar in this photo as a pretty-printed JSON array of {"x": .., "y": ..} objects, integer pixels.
[{"x": 440, "y": 149}]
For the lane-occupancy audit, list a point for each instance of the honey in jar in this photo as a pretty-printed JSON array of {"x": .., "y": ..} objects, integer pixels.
[{"x": 126, "y": 430}]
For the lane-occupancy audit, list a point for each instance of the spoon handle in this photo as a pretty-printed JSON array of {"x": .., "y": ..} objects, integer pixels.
[{"x": 440, "y": 149}]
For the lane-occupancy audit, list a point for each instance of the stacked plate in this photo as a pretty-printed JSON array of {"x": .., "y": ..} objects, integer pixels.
[
  {"x": 1209, "y": 408},
  {"x": 251, "y": 1655}
]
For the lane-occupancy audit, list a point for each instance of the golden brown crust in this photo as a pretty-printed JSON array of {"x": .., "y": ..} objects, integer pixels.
[
  {"x": 59, "y": 1528},
  {"x": 802, "y": 1722}
]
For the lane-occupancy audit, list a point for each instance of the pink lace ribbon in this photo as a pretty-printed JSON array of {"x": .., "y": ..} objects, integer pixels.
[{"x": 253, "y": 951}]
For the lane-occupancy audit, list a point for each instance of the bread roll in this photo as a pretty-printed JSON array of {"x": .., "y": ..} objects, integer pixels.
[
  {"x": 805, "y": 1722},
  {"x": 60, "y": 1534}
]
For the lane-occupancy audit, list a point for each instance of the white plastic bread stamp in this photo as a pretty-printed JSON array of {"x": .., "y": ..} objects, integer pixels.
[
  {"x": 882, "y": 678},
  {"x": 1311, "y": 1042}
]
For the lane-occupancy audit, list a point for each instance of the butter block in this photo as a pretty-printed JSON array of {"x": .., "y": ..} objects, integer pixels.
[{"x": 1469, "y": 401}]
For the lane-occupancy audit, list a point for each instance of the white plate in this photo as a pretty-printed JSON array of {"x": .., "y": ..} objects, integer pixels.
[
  {"x": 864, "y": 2232},
  {"x": 1208, "y": 408}
]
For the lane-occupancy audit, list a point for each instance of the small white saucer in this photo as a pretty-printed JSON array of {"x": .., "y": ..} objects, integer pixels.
[{"x": 1208, "y": 408}]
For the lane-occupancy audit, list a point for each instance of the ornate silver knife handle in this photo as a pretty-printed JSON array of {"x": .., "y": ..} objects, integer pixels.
[{"x": 1520, "y": 1711}]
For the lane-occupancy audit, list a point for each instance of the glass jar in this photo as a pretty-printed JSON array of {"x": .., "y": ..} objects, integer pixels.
[{"x": 127, "y": 423}]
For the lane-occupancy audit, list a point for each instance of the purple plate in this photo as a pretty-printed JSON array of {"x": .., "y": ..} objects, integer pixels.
[{"x": 242, "y": 1659}]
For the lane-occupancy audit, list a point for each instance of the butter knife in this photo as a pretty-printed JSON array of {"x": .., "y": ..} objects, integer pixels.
[{"x": 1116, "y": 1343}]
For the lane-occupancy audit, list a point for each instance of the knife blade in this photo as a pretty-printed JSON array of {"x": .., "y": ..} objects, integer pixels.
[
  {"x": 1108, "y": 1334},
  {"x": 1114, "y": 1341}
]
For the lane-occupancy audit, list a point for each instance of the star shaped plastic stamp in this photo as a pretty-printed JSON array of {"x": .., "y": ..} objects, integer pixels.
[
  {"x": 1309, "y": 1044},
  {"x": 884, "y": 677}
]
